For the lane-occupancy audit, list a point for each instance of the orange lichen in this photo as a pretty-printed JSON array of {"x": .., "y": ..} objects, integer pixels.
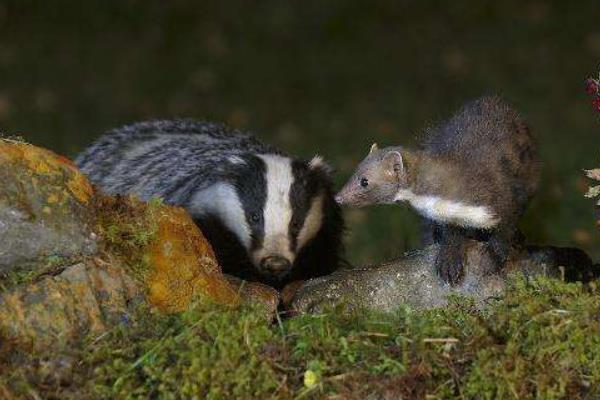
[
  {"x": 165, "y": 250},
  {"x": 85, "y": 298},
  {"x": 184, "y": 265},
  {"x": 40, "y": 161},
  {"x": 80, "y": 188}
]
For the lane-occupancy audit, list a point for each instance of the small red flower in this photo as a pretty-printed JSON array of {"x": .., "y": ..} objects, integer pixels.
[
  {"x": 596, "y": 104},
  {"x": 592, "y": 86}
]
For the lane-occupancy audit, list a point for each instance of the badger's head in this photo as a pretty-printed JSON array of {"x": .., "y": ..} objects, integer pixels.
[{"x": 276, "y": 206}]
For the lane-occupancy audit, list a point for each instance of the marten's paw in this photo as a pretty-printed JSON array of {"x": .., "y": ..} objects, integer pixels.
[
  {"x": 498, "y": 248},
  {"x": 449, "y": 263}
]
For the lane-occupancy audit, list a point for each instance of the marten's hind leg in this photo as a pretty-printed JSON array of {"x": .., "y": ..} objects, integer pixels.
[
  {"x": 431, "y": 232},
  {"x": 499, "y": 246},
  {"x": 451, "y": 254}
]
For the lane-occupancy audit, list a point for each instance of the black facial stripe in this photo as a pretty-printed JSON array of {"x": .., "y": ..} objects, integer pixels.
[
  {"x": 305, "y": 187},
  {"x": 251, "y": 187}
]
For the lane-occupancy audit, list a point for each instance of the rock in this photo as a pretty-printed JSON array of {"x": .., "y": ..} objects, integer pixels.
[
  {"x": 155, "y": 253},
  {"x": 183, "y": 266},
  {"x": 84, "y": 261},
  {"x": 44, "y": 207},
  {"x": 56, "y": 310},
  {"x": 288, "y": 293},
  {"x": 255, "y": 292},
  {"x": 412, "y": 280}
]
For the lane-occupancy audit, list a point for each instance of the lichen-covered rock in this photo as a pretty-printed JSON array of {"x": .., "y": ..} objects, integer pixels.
[
  {"x": 44, "y": 207},
  {"x": 74, "y": 261},
  {"x": 182, "y": 265},
  {"x": 256, "y": 292},
  {"x": 147, "y": 251},
  {"x": 412, "y": 280},
  {"x": 84, "y": 298},
  {"x": 164, "y": 250}
]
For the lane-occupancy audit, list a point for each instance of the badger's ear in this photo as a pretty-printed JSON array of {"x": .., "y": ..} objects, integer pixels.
[
  {"x": 317, "y": 163},
  {"x": 393, "y": 163},
  {"x": 374, "y": 148}
]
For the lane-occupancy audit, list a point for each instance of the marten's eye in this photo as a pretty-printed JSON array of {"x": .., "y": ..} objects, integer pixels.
[
  {"x": 364, "y": 182},
  {"x": 255, "y": 217}
]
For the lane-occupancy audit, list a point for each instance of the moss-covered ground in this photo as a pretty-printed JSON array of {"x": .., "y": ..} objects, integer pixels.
[{"x": 540, "y": 341}]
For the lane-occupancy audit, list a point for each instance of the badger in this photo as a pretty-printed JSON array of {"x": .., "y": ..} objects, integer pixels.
[
  {"x": 269, "y": 217},
  {"x": 472, "y": 178}
]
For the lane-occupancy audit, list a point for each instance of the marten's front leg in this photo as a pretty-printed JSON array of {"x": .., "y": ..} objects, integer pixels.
[{"x": 449, "y": 260}]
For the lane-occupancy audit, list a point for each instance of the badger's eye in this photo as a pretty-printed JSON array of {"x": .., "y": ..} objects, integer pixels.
[
  {"x": 255, "y": 217},
  {"x": 364, "y": 182}
]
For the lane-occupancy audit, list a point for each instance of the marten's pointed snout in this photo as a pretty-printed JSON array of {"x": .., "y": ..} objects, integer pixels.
[{"x": 341, "y": 198}]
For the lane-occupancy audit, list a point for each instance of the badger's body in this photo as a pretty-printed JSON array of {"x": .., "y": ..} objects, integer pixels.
[
  {"x": 269, "y": 217},
  {"x": 472, "y": 178}
]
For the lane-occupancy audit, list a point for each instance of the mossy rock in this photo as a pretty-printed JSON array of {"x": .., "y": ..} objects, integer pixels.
[
  {"x": 148, "y": 254},
  {"x": 55, "y": 311},
  {"x": 412, "y": 280},
  {"x": 44, "y": 208},
  {"x": 75, "y": 261},
  {"x": 164, "y": 250}
]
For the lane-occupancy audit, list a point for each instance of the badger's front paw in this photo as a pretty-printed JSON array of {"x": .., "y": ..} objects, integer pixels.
[{"x": 449, "y": 264}]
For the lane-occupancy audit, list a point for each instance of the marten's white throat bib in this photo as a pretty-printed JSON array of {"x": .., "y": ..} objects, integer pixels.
[{"x": 442, "y": 210}]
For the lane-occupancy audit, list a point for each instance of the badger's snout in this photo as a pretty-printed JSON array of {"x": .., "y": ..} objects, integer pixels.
[{"x": 275, "y": 265}]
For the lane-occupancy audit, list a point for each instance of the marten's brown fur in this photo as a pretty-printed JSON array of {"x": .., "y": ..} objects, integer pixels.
[{"x": 473, "y": 177}]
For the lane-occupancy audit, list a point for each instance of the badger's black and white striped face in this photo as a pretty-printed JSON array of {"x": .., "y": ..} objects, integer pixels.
[{"x": 273, "y": 204}]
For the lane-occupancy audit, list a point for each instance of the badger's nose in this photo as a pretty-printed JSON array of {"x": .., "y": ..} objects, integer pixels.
[
  {"x": 275, "y": 265},
  {"x": 339, "y": 199}
]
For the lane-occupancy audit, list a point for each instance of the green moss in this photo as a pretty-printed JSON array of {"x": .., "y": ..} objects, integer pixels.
[
  {"x": 31, "y": 272},
  {"x": 15, "y": 277},
  {"x": 127, "y": 226},
  {"x": 541, "y": 341}
]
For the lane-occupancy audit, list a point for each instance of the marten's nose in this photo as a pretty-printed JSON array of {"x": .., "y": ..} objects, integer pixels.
[{"x": 275, "y": 265}]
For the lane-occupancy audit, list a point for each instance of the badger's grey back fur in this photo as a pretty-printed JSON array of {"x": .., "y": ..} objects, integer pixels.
[
  {"x": 161, "y": 158},
  {"x": 239, "y": 190}
]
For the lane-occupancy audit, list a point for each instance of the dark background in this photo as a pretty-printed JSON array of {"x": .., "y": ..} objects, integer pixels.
[{"x": 327, "y": 77}]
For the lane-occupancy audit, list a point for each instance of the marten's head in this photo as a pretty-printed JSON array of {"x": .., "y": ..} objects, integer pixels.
[{"x": 377, "y": 179}]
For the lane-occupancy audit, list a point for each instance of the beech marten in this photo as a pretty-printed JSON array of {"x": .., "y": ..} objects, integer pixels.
[{"x": 472, "y": 178}]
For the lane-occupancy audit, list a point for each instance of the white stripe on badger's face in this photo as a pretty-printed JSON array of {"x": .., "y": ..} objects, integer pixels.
[
  {"x": 442, "y": 210},
  {"x": 277, "y": 212},
  {"x": 312, "y": 223},
  {"x": 222, "y": 201}
]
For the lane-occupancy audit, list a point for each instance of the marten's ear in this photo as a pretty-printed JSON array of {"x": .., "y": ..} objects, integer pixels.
[
  {"x": 317, "y": 163},
  {"x": 374, "y": 148},
  {"x": 393, "y": 164}
]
